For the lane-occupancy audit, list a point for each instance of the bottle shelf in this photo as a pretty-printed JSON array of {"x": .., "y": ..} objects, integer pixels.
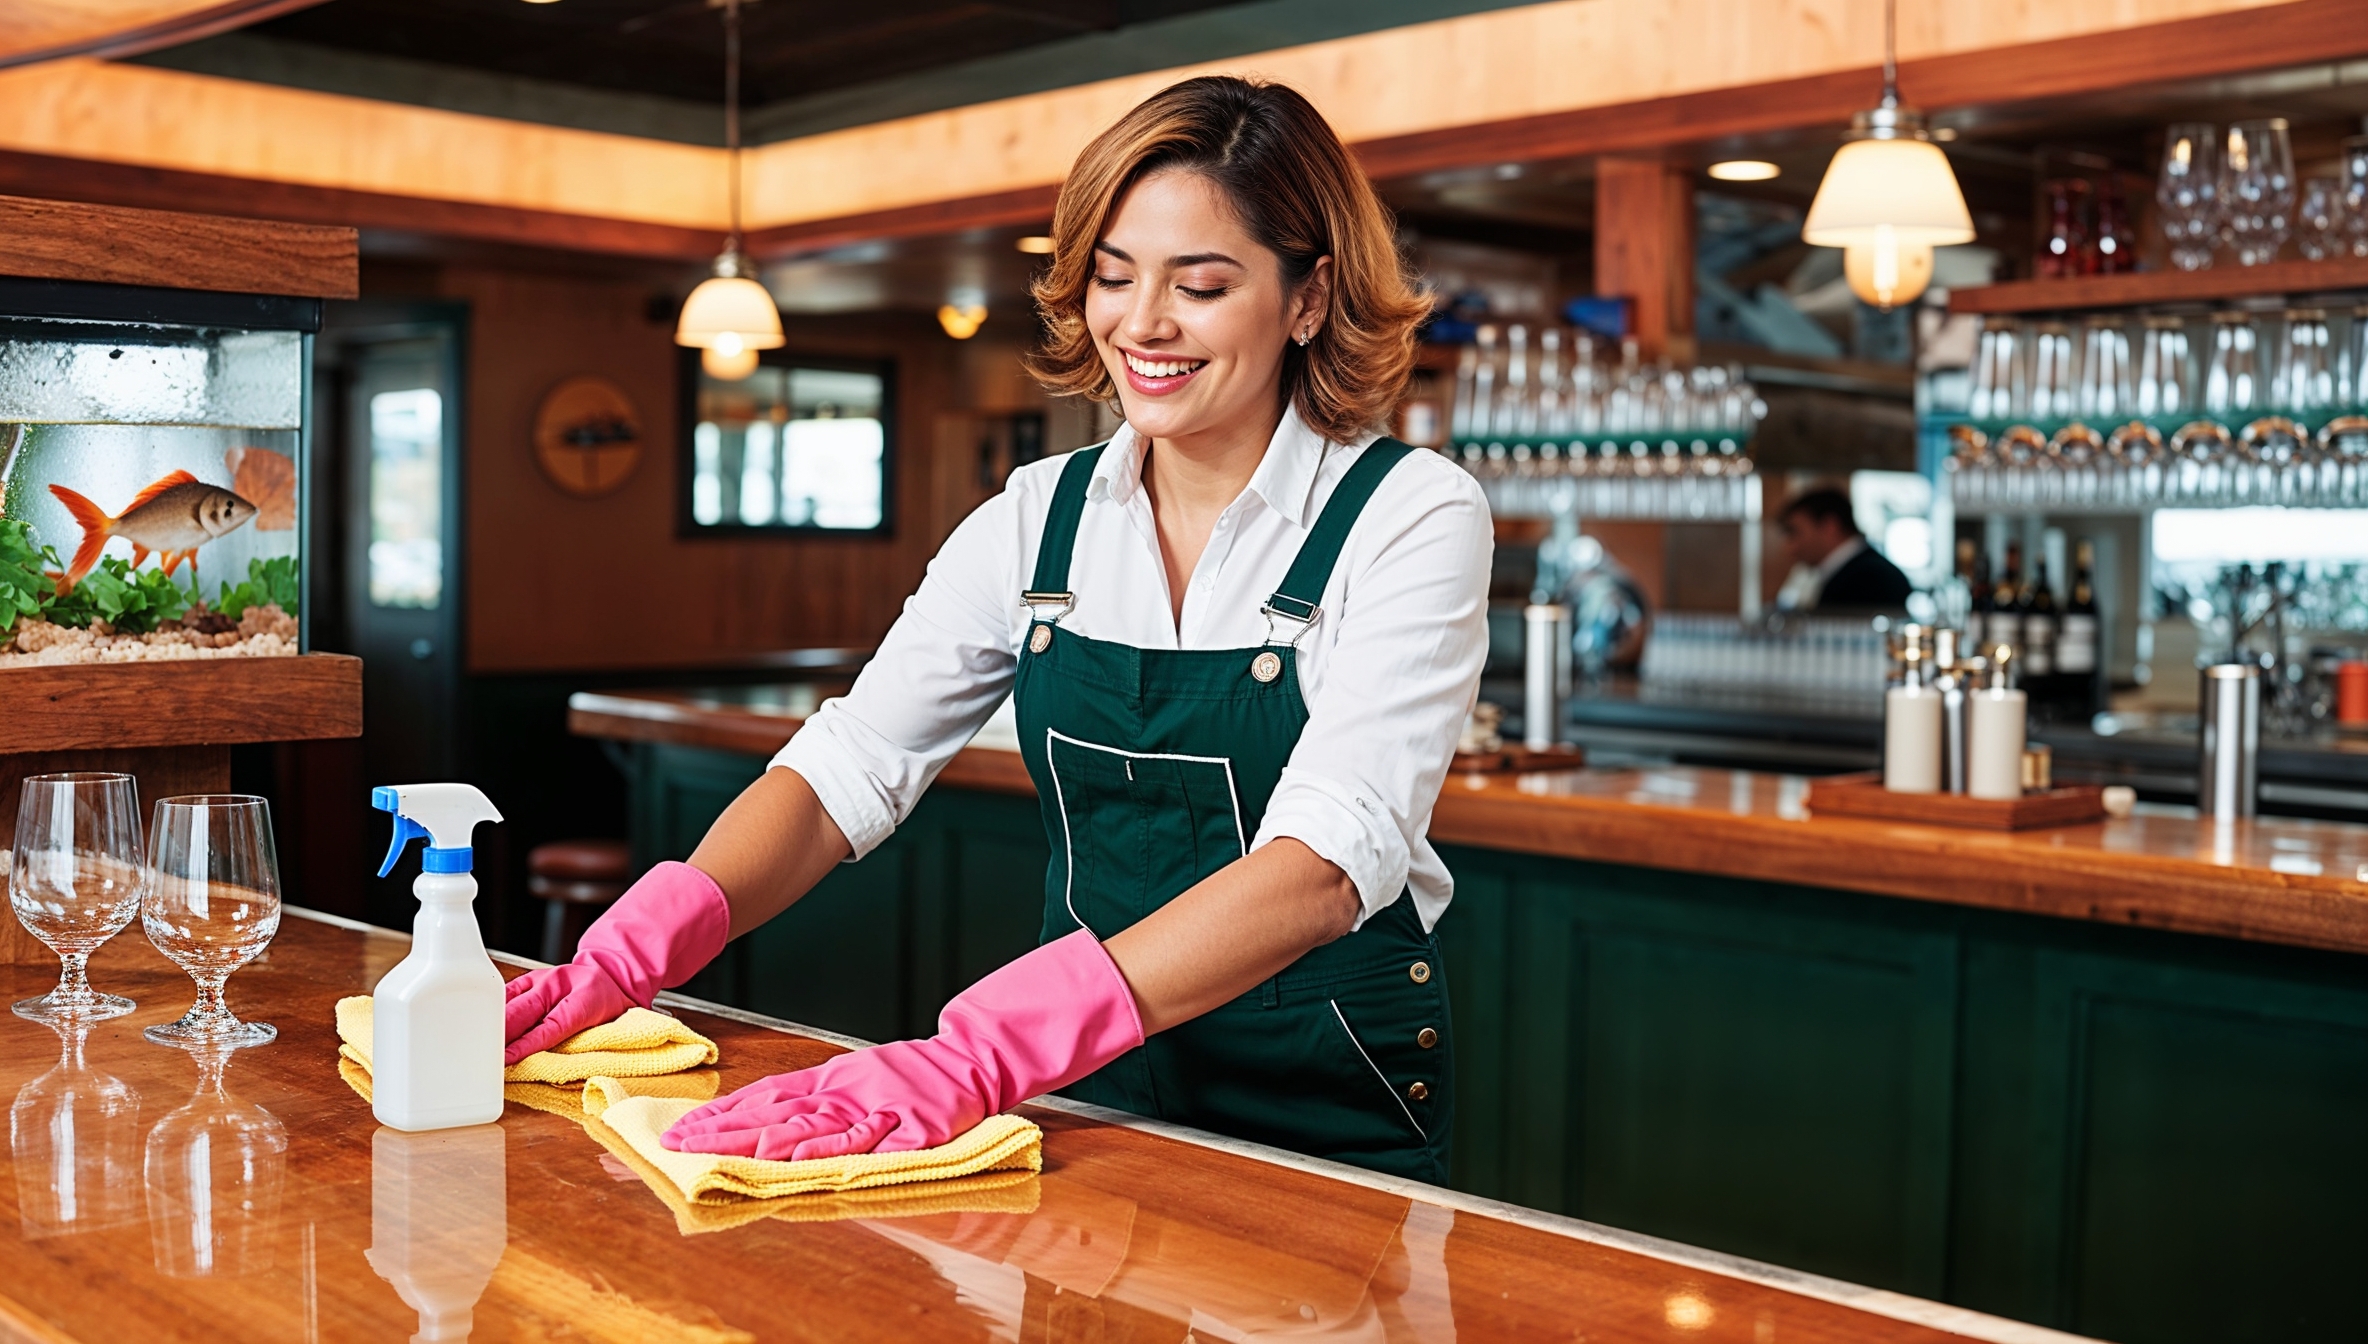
[
  {"x": 2142, "y": 288},
  {"x": 1726, "y": 498}
]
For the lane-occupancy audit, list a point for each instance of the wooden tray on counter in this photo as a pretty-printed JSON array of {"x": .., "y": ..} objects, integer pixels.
[
  {"x": 1863, "y": 795},
  {"x": 1515, "y": 760}
]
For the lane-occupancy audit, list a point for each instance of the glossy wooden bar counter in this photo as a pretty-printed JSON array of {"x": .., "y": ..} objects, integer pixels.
[
  {"x": 129, "y": 1226},
  {"x": 2297, "y": 882}
]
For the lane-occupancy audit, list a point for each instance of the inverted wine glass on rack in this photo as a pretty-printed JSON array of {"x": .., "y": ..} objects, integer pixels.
[
  {"x": 74, "y": 880},
  {"x": 2257, "y": 189},
  {"x": 2187, "y": 193},
  {"x": 211, "y": 905}
]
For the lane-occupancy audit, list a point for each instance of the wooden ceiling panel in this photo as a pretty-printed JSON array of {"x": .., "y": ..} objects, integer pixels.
[{"x": 674, "y": 48}]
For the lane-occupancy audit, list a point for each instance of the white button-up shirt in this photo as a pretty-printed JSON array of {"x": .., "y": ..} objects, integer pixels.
[{"x": 1389, "y": 670}]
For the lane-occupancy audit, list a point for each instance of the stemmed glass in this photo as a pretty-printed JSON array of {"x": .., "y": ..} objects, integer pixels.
[
  {"x": 212, "y": 904},
  {"x": 75, "y": 881},
  {"x": 2318, "y": 220},
  {"x": 2188, "y": 193},
  {"x": 2257, "y": 189},
  {"x": 2355, "y": 195}
]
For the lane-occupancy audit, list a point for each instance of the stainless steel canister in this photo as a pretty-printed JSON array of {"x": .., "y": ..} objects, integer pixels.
[
  {"x": 1954, "y": 685},
  {"x": 1545, "y": 680},
  {"x": 2228, "y": 762}
]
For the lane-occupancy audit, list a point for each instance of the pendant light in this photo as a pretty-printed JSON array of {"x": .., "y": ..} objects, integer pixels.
[
  {"x": 1888, "y": 197},
  {"x": 730, "y": 317}
]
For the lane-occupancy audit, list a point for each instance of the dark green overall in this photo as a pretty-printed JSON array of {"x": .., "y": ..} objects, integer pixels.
[{"x": 1154, "y": 767}]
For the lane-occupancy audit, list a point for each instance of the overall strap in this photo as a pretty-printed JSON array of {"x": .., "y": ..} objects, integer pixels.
[
  {"x": 1311, "y": 570},
  {"x": 1060, "y": 530}
]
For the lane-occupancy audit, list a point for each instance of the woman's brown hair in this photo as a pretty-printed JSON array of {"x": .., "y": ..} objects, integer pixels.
[{"x": 1297, "y": 191}]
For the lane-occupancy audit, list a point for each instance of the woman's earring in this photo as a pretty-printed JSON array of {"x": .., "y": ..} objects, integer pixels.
[{"x": 1303, "y": 339}]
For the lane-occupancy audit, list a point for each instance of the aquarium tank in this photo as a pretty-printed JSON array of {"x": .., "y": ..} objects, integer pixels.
[{"x": 151, "y": 461}]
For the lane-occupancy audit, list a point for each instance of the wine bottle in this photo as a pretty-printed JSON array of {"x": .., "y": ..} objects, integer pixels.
[
  {"x": 2038, "y": 602},
  {"x": 2005, "y": 622},
  {"x": 1974, "y": 568},
  {"x": 2079, "y": 664}
]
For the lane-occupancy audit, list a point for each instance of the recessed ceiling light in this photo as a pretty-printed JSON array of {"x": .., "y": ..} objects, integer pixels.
[
  {"x": 1035, "y": 245},
  {"x": 1744, "y": 170}
]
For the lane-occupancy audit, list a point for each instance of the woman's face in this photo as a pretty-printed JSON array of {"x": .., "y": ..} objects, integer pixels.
[{"x": 1191, "y": 314}]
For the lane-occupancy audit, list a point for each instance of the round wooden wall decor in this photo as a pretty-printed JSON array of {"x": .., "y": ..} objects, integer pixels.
[{"x": 587, "y": 436}]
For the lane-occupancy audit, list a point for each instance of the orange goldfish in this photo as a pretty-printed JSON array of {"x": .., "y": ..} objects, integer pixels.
[
  {"x": 269, "y": 479},
  {"x": 173, "y": 517}
]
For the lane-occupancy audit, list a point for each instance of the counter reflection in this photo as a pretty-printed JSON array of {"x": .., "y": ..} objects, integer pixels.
[
  {"x": 214, "y": 1169},
  {"x": 439, "y": 1221},
  {"x": 75, "y": 1135},
  {"x": 1089, "y": 1264}
]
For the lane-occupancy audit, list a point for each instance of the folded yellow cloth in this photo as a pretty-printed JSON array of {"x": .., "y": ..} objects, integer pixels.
[
  {"x": 997, "y": 1143},
  {"x": 563, "y": 1101},
  {"x": 640, "y": 1044},
  {"x": 1012, "y": 1191}
]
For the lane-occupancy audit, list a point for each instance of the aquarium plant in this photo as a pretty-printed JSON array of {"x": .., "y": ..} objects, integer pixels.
[
  {"x": 271, "y": 582},
  {"x": 24, "y": 588},
  {"x": 131, "y": 602}
]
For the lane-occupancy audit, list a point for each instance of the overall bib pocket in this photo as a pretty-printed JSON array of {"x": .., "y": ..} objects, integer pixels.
[{"x": 1139, "y": 828}]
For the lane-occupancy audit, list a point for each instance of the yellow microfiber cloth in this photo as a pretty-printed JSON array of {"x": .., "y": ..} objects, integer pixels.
[
  {"x": 998, "y": 1143},
  {"x": 640, "y": 1044},
  {"x": 1012, "y": 1191},
  {"x": 565, "y": 1102}
]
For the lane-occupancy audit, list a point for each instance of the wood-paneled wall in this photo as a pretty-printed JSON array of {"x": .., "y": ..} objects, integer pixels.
[{"x": 558, "y": 583}]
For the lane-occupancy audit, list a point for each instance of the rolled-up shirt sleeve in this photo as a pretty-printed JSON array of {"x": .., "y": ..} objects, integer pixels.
[
  {"x": 940, "y": 672},
  {"x": 1409, "y": 635}
]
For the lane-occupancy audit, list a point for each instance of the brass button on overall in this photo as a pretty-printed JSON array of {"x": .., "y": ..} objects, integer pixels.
[
  {"x": 1418, "y": 1090},
  {"x": 1040, "y": 639},
  {"x": 1266, "y": 666},
  {"x": 1426, "y": 1038},
  {"x": 1419, "y": 972}
]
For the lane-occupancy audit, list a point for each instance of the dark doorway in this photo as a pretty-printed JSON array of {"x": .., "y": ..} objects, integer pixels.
[{"x": 390, "y": 586}]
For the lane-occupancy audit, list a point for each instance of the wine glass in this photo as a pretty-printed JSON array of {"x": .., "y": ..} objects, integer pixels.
[
  {"x": 75, "y": 1135},
  {"x": 2355, "y": 195},
  {"x": 75, "y": 881},
  {"x": 212, "y": 903},
  {"x": 2318, "y": 220},
  {"x": 2188, "y": 193},
  {"x": 2257, "y": 189},
  {"x": 215, "y": 1168}
]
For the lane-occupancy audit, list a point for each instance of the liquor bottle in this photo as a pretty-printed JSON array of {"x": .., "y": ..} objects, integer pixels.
[
  {"x": 1974, "y": 568},
  {"x": 2004, "y": 625},
  {"x": 2038, "y": 602},
  {"x": 2079, "y": 660}
]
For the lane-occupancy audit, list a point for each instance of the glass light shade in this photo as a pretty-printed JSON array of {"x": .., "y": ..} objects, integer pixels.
[
  {"x": 961, "y": 321},
  {"x": 1901, "y": 184},
  {"x": 729, "y": 306},
  {"x": 1887, "y": 271},
  {"x": 729, "y": 368}
]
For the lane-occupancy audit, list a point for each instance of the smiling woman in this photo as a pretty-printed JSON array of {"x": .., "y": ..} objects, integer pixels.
[{"x": 1267, "y": 158}]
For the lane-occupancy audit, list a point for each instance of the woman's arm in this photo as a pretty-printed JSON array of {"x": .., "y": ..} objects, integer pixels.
[
  {"x": 770, "y": 847},
  {"x": 1235, "y": 929}
]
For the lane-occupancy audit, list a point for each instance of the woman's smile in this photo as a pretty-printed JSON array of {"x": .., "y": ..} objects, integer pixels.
[{"x": 1155, "y": 376}]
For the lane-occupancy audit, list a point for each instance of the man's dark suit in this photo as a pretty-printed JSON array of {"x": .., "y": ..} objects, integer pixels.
[{"x": 1866, "y": 582}]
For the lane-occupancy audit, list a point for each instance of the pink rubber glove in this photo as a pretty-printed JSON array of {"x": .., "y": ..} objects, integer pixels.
[
  {"x": 1043, "y": 1022},
  {"x": 658, "y": 934}
]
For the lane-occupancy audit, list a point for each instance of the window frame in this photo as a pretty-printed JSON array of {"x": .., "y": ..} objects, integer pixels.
[{"x": 686, "y": 449}]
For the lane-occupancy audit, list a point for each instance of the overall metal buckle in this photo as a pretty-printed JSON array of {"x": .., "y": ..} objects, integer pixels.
[
  {"x": 1289, "y": 609},
  {"x": 1040, "y": 637}
]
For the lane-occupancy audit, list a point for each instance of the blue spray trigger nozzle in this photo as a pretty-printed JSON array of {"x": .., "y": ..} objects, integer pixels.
[{"x": 406, "y": 831}]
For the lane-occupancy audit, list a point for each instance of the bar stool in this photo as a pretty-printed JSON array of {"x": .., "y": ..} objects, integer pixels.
[{"x": 576, "y": 880}]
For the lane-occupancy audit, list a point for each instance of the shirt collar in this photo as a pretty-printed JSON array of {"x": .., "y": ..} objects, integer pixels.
[
  {"x": 1838, "y": 557},
  {"x": 1285, "y": 479}
]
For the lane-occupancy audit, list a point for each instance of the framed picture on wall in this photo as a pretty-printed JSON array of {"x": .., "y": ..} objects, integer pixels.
[{"x": 803, "y": 446}]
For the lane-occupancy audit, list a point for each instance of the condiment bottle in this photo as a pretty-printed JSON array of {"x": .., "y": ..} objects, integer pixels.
[
  {"x": 1995, "y": 723},
  {"x": 436, "y": 1048},
  {"x": 1911, "y": 728}
]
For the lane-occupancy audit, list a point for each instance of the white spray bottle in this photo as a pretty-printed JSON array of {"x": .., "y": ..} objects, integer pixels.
[{"x": 436, "y": 1052}]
